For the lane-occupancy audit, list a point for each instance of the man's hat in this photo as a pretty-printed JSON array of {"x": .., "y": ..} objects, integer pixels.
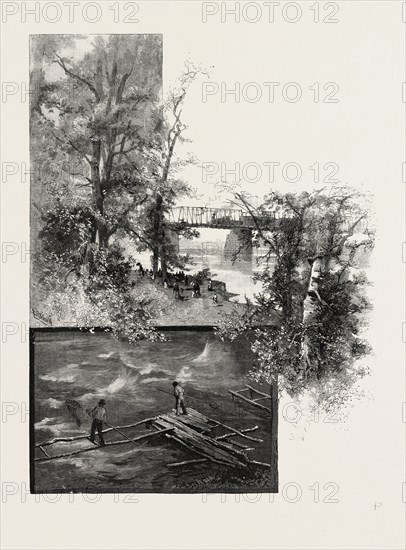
[
  {"x": 175, "y": 383},
  {"x": 102, "y": 402}
]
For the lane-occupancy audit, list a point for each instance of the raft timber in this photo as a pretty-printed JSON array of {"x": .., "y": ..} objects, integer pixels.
[{"x": 195, "y": 432}]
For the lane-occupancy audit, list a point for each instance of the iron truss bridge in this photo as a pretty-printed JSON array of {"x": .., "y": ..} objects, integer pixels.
[{"x": 220, "y": 218}]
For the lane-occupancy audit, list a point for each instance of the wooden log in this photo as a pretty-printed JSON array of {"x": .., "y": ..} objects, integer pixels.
[
  {"x": 206, "y": 445},
  {"x": 198, "y": 438},
  {"x": 187, "y": 462},
  {"x": 237, "y": 432},
  {"x": 202, "y": 437},
  {"x": 201, "y": 460},
  {"x": 44, "y": 451},
  {"x": 121, "y": 433},
  {"x": 112, "y": 444},
  {"x": 192, "y": 422},
  {"x": 250, "y": 401},
  {"x": 260, "y": 398},
  {"x": 257, "y": 463},
  {"x": 76, "y": 438},
  {"x": 201, "y": 453},
  {"x": 258, "y": 392},
  {"x": 241, "y": 446},
  {"x": 233, "y": 434}
]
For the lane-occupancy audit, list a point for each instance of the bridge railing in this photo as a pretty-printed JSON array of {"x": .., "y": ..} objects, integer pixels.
[{"x": 218, "y": 217}]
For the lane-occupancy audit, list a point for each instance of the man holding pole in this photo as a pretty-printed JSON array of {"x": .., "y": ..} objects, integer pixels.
[{"x": 99, "y": 416}]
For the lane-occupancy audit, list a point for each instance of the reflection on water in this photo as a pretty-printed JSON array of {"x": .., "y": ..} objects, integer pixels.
[
  {"x": 237, "y": 275},
  {"x": 85, "y": 367}
]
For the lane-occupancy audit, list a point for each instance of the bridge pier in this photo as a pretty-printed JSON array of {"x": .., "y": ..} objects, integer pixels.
[
  {"x": 174, "y": 240},
  {"x": 239, "y": 244}
]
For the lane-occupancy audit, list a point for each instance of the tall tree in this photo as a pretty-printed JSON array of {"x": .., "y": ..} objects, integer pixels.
[
  {"x": 168, "y": 187},
  {"x": 95, "y": 119}
]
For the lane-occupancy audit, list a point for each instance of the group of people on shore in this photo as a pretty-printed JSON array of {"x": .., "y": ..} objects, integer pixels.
[{"x": 174, "y": 280}]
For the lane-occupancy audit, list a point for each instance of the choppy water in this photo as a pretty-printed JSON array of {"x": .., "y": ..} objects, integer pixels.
[{"x": 85, "y": 367}]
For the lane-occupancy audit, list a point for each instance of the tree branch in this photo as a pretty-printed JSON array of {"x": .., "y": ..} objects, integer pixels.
[{"x": 62, "y": 64}]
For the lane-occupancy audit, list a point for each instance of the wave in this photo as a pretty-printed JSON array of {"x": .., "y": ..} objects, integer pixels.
[
  {"x": 152, "y": 379},
  {"x": 185, "y": 375},
  {"x": 105, "y": 355},
  {"x": 56, "y": 429},
  {"x": 125, "y": 381},
  {"x": 44, "y": 422},
  {"x": 124, "y": 358},
  {"x": 52, "y": 403},
  {"x": 211, "y": 353},
  {"x": 64, "y": 374},
  {"x": 204, "y": 355},
  {"x": 148, "y": 369}
]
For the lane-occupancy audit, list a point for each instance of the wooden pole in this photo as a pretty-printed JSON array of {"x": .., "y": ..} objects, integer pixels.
[
  {"x": 258, "y": 392},
  {"x": 76, "y": 438},
  {"x": 44, "y": 451},
  {"x": 250, "y": 401},
  {"x": 121, "y": 433},
  {"x": 237, "y": 432},
  {"x": 233, "y": 434},
  {"x": 187, "y": 462},
  {"x": 112, "y": 444},
  {"x": 256, "y": 462}
]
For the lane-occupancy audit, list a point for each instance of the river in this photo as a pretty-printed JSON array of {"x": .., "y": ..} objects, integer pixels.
[
  {"x": 85, "y": 367},
  {"x": 207, "y": 252}
]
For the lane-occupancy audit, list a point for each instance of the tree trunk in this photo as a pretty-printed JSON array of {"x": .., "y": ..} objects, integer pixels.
[
  {"x": 309, "y": 305},
  {"x": 102, "y": 235},
  {"x": 274, "y": 434},
  {"x": 155, "y": 260},
  {"x": 157, "y": 234},
  {"x": 164, "y": 268}
]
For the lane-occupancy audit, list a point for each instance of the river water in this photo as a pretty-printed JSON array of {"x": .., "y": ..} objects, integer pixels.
[
  {"x": 86, "y": 367},
  {"x": 207, "y": 252},
  {"x": 238, "y": 276}
]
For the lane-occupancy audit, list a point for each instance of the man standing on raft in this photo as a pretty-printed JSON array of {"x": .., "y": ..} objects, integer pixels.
[{"x": 179, "y": 393}]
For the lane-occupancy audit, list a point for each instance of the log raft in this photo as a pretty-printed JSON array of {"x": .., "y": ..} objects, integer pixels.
[{"x": 195, "y": 432}]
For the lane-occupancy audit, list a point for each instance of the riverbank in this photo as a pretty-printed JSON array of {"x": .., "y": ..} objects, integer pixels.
[
  {"x": 159, "y": 303},
  {"x": 190, "y": 311}
]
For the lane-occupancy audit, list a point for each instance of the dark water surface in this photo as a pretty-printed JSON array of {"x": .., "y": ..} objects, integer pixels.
[{"x": 85, "y": 367}]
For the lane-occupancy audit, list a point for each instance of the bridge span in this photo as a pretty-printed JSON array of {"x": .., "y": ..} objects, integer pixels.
[
  {"x": 239, "y": 222},
  {"x": 219, "y": 218}
]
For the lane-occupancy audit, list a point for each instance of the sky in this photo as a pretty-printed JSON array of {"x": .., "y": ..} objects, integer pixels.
[{"x": 281, "y": 144}]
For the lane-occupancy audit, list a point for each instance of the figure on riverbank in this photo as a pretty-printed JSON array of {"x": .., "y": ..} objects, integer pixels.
[
  {"x": 176, "y": 290},
  {"x": 179, "y": 394},
  {"x": 99, "y": 416},
  {"x": 196, "y": 290},
  {"x": 210, "y": 285}
]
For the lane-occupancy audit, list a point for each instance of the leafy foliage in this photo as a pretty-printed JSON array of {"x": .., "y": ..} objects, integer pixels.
[
  {"x": 309, "y": 317},
  {"x": 104, "y": 168}
]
